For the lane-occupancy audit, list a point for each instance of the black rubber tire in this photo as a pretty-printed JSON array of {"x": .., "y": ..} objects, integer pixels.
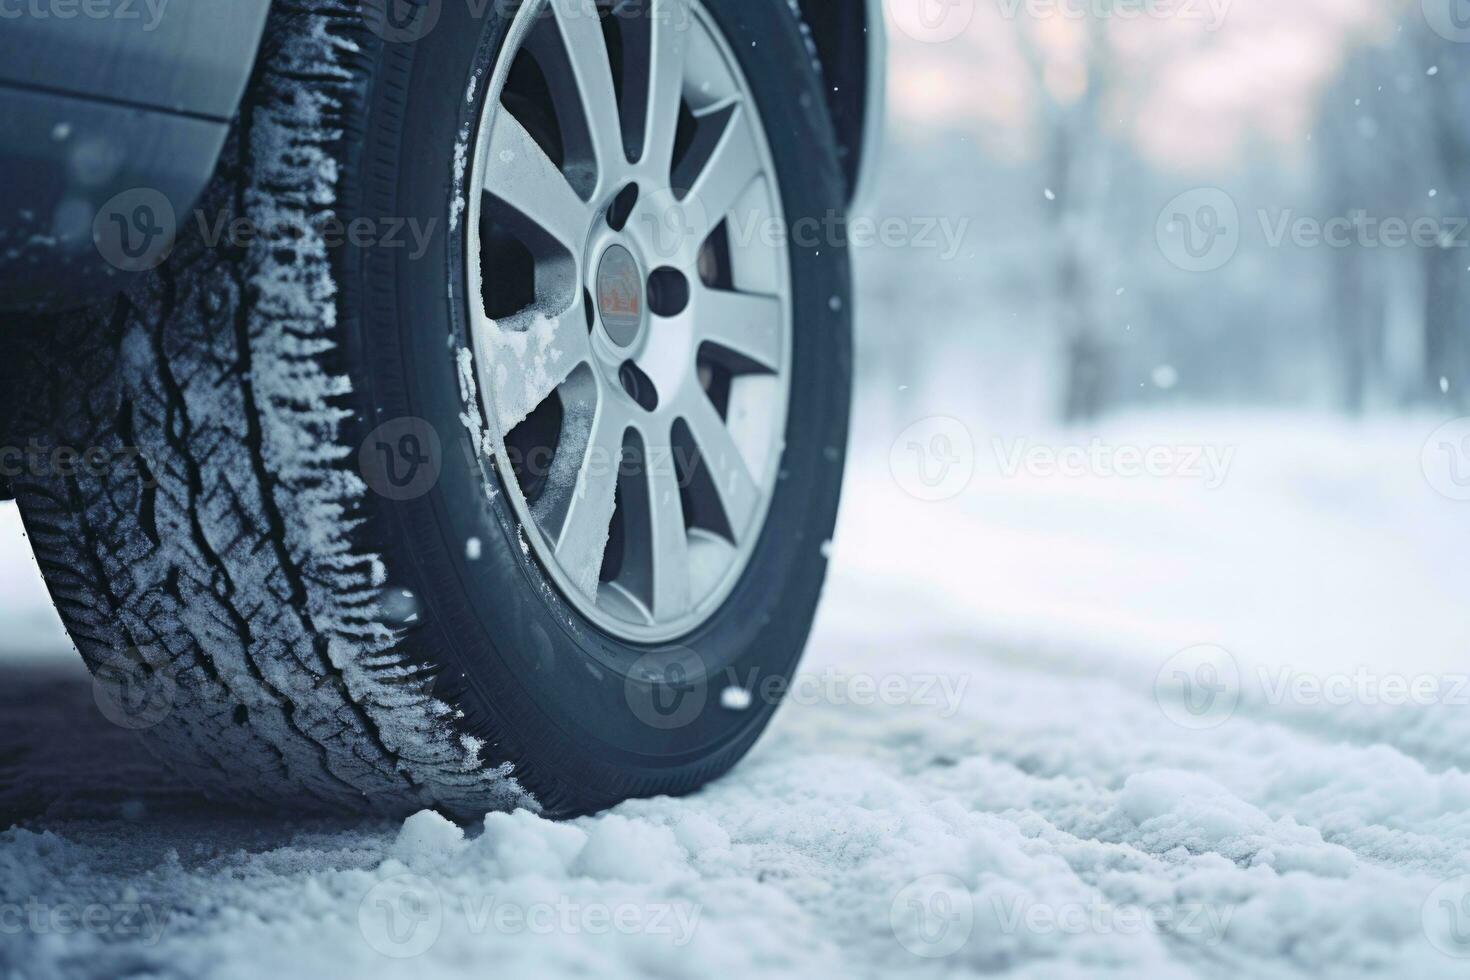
[{"x": 238, "y": 565}]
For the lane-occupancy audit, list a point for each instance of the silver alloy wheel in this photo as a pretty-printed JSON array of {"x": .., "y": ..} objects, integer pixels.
[{"x": 632, "y": 339}]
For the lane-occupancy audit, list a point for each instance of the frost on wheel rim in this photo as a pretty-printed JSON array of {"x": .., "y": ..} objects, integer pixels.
[{"x": 630, "y": 320}]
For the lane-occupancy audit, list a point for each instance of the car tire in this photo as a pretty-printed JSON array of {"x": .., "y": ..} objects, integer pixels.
[{"x": 267, "y": 505}]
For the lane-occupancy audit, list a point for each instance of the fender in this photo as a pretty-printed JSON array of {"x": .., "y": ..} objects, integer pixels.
[
  {"x": 98, "y": 99},
  {"x": 851, "y": 38}
]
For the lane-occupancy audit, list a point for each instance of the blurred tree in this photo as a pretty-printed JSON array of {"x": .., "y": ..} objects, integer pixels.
[
  {"x": 1395, "y": 143},
  {"x": 1446, "y": 310},
  {"x": 1069, "y": 75},
  {"x": 1356, "y": 166}
]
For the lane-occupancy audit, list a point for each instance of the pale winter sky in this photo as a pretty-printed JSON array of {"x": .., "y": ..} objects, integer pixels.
[{"x": 1196, "y": 83}]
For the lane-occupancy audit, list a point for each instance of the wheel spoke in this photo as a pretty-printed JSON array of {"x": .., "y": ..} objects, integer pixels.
[
  {"x": 732, "y": 166},
  {"x": 554, "y": 189},
  {"x": 520, "y": 173},
  {"x": 670, "y": 537},
  {"x": 739, "y": 497},
  {"x": 583, "y": 539},
  {"x": 527, "y": 357},
  {"x": 669, "y": 35},
  {"x": 748, "y": 324},
  {"x": 581, "y": 32}
]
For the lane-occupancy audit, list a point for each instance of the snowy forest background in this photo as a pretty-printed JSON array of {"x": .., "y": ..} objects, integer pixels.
[
  {"x": 1061, "y": 130},
  {"x": 1318, "y": 572}
]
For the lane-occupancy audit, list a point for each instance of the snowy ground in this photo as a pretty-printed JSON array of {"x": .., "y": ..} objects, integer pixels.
[{"x": 994, "y": 765}]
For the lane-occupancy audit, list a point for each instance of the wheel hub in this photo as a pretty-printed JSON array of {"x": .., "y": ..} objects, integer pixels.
[{"x": 621, "y": 296}]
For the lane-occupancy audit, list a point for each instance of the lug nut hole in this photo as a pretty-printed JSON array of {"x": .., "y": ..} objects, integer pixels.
[
  {"x": 668, "y": 292},
  {"x": 638, "y": 385}
]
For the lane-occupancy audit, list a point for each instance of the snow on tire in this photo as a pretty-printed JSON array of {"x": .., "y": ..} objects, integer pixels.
[{"x": 220, "y": 554}]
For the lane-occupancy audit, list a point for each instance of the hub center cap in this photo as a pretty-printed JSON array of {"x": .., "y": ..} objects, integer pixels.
[{"x": 620, "y": 299}]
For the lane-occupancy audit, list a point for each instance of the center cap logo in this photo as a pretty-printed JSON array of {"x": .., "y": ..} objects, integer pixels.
[{"x": 620, "y": 295}]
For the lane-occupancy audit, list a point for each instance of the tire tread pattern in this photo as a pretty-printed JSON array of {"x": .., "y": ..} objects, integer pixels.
[{"x": 222, "y": 557}]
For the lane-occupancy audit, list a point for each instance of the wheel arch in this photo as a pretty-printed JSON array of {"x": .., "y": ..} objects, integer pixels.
[
  {"x": 851, "y": 40},
  {"x": 98, "y": 103}
]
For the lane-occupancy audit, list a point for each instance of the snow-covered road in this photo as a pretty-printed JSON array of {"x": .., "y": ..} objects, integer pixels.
[{"x": 990, "y": 767}]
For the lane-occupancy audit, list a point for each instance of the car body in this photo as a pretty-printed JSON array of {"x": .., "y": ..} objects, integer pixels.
[{"x": 100, "y": 97}]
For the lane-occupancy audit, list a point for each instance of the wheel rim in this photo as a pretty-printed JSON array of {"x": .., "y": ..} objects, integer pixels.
[{"x": 632, "y": 338}]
